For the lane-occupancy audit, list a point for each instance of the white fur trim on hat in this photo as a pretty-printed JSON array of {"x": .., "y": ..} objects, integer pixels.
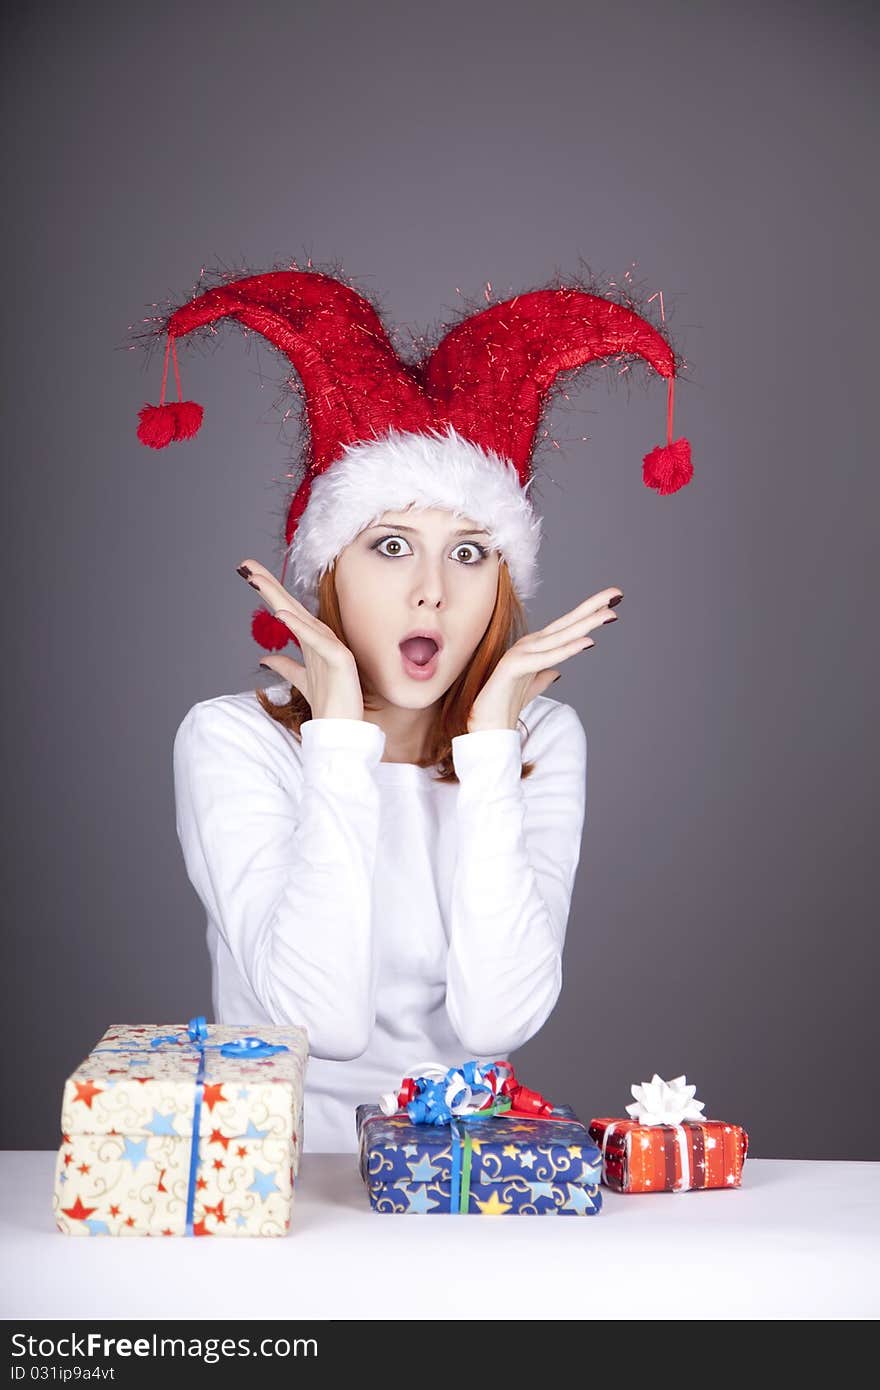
[{"x": 402, "y": 469}]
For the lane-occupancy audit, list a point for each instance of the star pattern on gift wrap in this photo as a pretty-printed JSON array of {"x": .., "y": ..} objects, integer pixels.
[
  {"x": 244, "y": 1093},
  {"x": 418, "y": 1200},
  {"x": 423, "y": 1170},
  {"x": 253, "y": 1133},
  {"x": 509, "y": 1151},
  {"x": 62, "y": 1177},
  {"x": 494, "y": 1206},
  {"x": 578, "y": 1200},
  {"x": 526, "y": 1158},
  {"x": 162, "y": 1124},
  {"x": 86, "y": 1092},
  {"x": 240, "y": 1220},
  {"x": 200, "y": 1184},
  {"x": 68, "y": 1159},
  {"x": 134, "y": 1153},
  {"x": 114, "y": 1210},
  {"x": 541, "y": 1189},
  {"x": 213, "y": 1094},
  {"x": 218, "y": 1138},
  {"x": 217, "y": 1212},
  {"x": 410, "y": 1150},
  {"x": 264, "y": 1184},
  {"x": 97, "y": 1228},
  {"x": 218, "y": 1164},
  {"x": 84, "y": 1168},
  {"x": 241, "y": 1151}
]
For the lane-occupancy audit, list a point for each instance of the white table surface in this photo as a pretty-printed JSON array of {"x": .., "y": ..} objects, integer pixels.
[{"x": 798, "y": 1240}]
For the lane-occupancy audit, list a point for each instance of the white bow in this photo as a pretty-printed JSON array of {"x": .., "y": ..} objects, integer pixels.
[{"x": 660, "y": 1102}]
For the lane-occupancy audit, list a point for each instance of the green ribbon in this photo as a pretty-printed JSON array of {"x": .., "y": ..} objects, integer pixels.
[{"x": 462, "y": 1153}]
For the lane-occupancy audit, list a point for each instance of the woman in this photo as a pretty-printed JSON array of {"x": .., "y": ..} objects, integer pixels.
[{"x": 386, "y": 842}]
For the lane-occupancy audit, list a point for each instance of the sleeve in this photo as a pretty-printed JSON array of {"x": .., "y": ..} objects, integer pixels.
[
  {"x": 518, "y": 846},
  {"x": 286, "y": 872}
]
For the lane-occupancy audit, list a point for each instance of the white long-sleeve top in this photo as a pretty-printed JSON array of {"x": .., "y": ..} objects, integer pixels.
[{"x": 399, "y": 919}]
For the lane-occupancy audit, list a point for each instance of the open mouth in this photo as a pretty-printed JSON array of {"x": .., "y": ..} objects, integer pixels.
[{"x": 420, "y": 657}]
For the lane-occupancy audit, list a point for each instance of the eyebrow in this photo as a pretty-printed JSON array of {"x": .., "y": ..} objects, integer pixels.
[{"x": 411, "y": 530}]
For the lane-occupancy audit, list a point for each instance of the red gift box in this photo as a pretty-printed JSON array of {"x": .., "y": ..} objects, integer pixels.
[{"x": 669, "y": 1158}]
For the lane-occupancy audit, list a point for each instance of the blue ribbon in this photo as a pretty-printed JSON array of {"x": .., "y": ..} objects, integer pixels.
[
  {"x": 455, "y": 1175},
  {"x": 196, "y": 1035},
  {"x": 435, "y": 1104},
  {"x": 430, "y": 1106}
]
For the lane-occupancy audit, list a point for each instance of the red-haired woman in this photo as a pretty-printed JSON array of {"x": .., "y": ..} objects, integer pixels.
[{"x": 386, "y": 843}]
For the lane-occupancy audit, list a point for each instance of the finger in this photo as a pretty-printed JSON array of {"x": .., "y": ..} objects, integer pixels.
[
  {"x": 314, "y": 635},
  {"x": 289, "y": 670},
  {"x": 269, "y": 589},
  {"x": 545, "y": 644},
  {"x": 542, "y": 681},
  {"x": 524, "y": 659},
  {"x": 589, "y": 605}
]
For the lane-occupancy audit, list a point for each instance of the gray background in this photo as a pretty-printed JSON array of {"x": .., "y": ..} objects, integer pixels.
[{"x": 717, "y": 152}]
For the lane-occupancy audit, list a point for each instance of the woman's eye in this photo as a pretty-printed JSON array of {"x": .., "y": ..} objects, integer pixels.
[
  {"x": 477, "y": 552},
  {"x": 388, "y": 540}
]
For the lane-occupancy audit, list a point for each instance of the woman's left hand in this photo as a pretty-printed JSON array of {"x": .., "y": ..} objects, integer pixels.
[{"x": 526, "y": 669}]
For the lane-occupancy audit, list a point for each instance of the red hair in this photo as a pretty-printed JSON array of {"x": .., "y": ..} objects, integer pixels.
[{"x": 507, "y": 624}]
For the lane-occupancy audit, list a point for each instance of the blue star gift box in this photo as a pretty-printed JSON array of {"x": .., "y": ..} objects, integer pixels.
[{"x": 498, "y": 1166}]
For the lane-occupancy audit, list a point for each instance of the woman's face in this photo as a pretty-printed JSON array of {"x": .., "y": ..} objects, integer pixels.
[{"x": 414, "y": 571}]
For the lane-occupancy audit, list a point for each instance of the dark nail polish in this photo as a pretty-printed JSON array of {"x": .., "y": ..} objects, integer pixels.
[
  {"x": 612, "y": 619},
  {"x": 253, "y": 585},
  {"x": 243, "y": 571},
  {"x": 556, "y": 678},
  {"x": 612, "y": 602}
]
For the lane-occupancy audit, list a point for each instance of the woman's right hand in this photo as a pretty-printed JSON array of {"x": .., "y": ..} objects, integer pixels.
[{"x": 329, "y": 679}]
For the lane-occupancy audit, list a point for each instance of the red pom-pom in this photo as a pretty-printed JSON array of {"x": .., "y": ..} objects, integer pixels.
[
  {"x": 188, "y": 418},
  {"x": 158, "y": 425},
  {"x": 668, "y": 467},
  {"x": 270, "y": 632}
]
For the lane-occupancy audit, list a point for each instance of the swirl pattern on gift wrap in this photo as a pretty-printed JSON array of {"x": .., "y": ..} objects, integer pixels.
[
  {"x": 150, "y": 1198},
  {"x": 392, "y": 1147}
]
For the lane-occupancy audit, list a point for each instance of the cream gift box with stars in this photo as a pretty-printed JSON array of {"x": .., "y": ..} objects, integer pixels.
[{"x": 127, "y": 1164}]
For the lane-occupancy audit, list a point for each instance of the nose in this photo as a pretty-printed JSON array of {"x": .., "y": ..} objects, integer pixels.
[
  {"x": 427, "y": 600},
  {"x": 429, "y": 589}
]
